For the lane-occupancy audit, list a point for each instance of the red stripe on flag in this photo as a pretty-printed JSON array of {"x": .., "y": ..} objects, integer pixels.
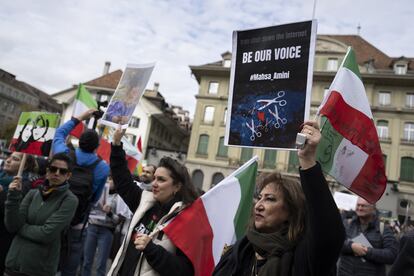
[
  {"x": 360, "y": 130},
  {"x": 351, "y": 123},
  {"x": 35, "y": 147},
  {"x": 104, "y": 150},
  {"x": 78, "y": 130},
  {"x": 191, "y": 232},
  {"x": 370, "y": 183}
]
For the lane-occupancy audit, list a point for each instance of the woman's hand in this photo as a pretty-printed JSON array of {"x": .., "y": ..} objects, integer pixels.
[
  {"x": 307, "y": 155},
  {"x": 116, "y": 139},
  {"x": 141, "y": 241},
  {"x": 16, "y": 184}
]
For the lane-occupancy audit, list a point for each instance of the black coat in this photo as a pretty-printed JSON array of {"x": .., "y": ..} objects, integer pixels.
[
  {"x": 318, "y": 250},
  {"x": 404, "y": 263}
]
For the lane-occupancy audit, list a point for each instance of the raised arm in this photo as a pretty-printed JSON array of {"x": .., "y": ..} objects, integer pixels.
[
  {"x": 325, "y": 233},
  {"x": 124, "y": 184}
]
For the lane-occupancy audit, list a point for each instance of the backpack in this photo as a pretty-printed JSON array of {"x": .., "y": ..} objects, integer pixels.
[{"x": 81, "y": 185}]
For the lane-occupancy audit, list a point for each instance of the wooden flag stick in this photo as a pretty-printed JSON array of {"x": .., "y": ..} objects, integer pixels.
[{"x": 22, "y": 165}]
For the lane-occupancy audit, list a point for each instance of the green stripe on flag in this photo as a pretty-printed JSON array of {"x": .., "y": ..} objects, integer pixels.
[
  {"x": 330, "y": 141},
  {"x": 40, "y": 117},
  {"x": 247, "y": 181},
  {"x": 85, "y": 96},
  {"x": 349, "y": 62}
]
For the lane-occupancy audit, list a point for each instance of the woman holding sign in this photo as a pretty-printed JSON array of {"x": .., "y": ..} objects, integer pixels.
[
  {"x": 295, "y": 230},
  {"x": 146, "y": 250},
  {"x": 10, "y": 169}
]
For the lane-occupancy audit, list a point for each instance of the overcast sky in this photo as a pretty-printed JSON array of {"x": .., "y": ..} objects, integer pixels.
[{"x": 54, "y": 44}]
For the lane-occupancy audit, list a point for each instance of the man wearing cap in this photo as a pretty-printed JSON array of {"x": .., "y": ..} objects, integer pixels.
[{"x": 85, "y": 156}]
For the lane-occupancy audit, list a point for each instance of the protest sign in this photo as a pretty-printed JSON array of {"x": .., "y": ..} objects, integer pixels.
[
  {"x": 345, "y": 201},
  {"x": 34, "y": 133},
  {"x": 127, "y": 95},
  {"x": 270, "y": 85}
]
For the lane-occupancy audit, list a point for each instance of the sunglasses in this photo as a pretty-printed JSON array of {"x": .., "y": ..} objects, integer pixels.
[{"x": 54, "y": 169}]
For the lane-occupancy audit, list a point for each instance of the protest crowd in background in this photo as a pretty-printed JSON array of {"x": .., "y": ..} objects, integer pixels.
[{"x": 67, "y": 210}]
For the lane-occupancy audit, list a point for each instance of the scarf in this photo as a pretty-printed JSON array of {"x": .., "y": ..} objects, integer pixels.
[
  {"x": 5, "y": 180},
  {"x": 47, "y": 189},
  {"x": 276, "y": 248}
]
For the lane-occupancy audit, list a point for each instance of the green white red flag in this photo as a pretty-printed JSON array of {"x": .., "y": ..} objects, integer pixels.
[
  {"x": 349, "y": 150},
  {"x": 34, "y": 133},
  {"x": 83, "y": 102},
  {"x": 217, "y": 219}
]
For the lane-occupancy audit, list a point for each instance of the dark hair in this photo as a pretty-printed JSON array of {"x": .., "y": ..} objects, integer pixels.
[
  {"x": 293, "y": 198},
  {"x": 89, "y": 140},
  {"x": 179, "y": 174},
  {"x": 62, "y": 157},
  {"x": 30, "y": 163},
  {"x": 152, "y": 165}
]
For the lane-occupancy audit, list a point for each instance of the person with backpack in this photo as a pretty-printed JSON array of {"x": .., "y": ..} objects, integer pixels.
[
  {"x": 38, "y": 220},
  {"x": 370, "y": 244},
  {"x": 87, "y": 182}
]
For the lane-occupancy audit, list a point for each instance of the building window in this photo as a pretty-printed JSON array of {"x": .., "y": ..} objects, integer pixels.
[
  {"x": 400, "y": 69},
  {"x": 246, "y": 154},
  {"x": 208, "y": 114},
  {"x": 269, "y": 159},
  {"x": 198, "y": 178},
  {"x": 213, "y": 87},
  {"x": 131, "y": 138},
  {"x": 227, "y": 63},
  {"x": 134, "y": 122},
  {"x": 384, "y": 98},
  {"x": 102, "y": 97},
  {"x": 217, "y": 177},
  {"x": 382, "y": 129},
  {"x": 202, "y": 144},
  {"x": 409, "y": 100},
  {"x": 293, "y": 166},
  {"x": 406, "y": 171},
  {"x": 222, "y": 149},
  {"x": 409, "y": 131},
  {"x": 332, "y": 64}
]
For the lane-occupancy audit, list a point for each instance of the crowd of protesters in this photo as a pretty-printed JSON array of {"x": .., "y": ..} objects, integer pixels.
[{"x": 295, "y": 228}]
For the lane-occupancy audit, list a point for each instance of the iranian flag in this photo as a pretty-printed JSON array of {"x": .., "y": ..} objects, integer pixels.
[
  {"x": 349, "y": 150},
  {"x": 83, "y": 102},
  {"x": 216, "y": 220}
]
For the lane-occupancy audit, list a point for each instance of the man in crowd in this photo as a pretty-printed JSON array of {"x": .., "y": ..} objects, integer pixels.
[
  {"x": 147, "y": 177},
  {"x": 369, "y": 245},
  {"x": 87, "y": 182}
]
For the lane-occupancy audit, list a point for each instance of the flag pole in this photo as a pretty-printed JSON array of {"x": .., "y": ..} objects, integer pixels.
[
  {"x": 314, "y": 9},
  {"x": 22, "y": 164}
]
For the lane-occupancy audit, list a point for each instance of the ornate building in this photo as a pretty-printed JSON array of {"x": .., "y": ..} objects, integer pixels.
[{"x": 389, "y": 84}]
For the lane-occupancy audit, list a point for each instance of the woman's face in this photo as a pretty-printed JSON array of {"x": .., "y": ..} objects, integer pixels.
[
  {"x": 39, "y": 130},
  {"x": 163, "y": 187},
  {"x": 12, "y": 164},
  {"x": 26, "y": 133},
  {"x": 270, "y": 212}
]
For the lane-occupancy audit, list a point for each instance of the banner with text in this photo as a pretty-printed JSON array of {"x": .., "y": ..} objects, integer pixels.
[{"x": 270, "y": 85}]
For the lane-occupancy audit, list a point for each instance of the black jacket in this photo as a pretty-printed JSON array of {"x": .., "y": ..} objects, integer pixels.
[
  {"x": 162, "y": 261},
  {"x": 384, "y": 251},
  {"x": 317, "y": 252},
  {"x": 404, "y": 263}
]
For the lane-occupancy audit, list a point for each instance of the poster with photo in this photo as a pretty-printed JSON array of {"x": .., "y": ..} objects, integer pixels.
[
  {"x": 35, "y": 132},
  {"x": 270, "y": 85},
  {"x": 127, "y": 95}
]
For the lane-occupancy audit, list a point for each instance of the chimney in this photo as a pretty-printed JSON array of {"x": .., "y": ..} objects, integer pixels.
[
  {"x": 106, "y": 67},
  {"x": 156, "y": 86}
]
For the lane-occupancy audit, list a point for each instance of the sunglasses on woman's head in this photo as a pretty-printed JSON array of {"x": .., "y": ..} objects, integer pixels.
[{"x": 54, "y": 169}]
